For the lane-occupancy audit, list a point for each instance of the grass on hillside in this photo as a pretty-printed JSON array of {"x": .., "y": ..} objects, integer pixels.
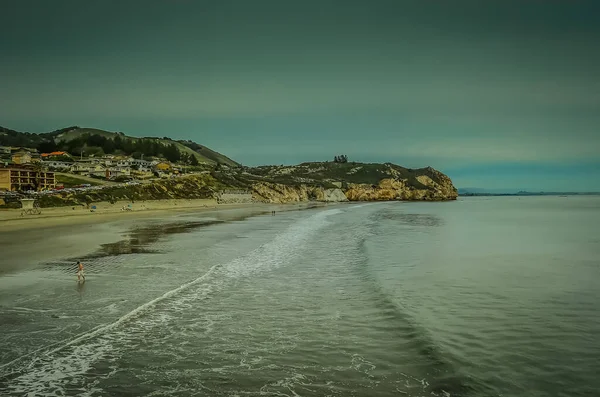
[
  {"x": 205, "y": 155},
  {"x": 70, "y": 181}
]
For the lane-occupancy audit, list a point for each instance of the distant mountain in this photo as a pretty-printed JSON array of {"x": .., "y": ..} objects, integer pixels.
[
  {"x": 475, "y": 190},
  {"x": 76, "y": 140},
  {"x": 497, "y": 192}
]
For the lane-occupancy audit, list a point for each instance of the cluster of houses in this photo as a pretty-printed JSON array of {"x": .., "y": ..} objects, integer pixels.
[
  {"x": 108, "y": 166},
  {"x": 20, "y": 160}
]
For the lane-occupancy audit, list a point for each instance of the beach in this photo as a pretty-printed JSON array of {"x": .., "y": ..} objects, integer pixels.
[
  {"x": 69, "y": 232},
  {"x": 481, "y": 297}
]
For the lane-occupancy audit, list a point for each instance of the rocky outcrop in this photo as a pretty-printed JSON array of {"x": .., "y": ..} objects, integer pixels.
[
  {"x": 280, "y": 193},
  {"x": 330, "y": 195},
  {"x": 386, "y": 190},
  {"x": 397, "y": 189},
  {"x": 425, "y": 184}
]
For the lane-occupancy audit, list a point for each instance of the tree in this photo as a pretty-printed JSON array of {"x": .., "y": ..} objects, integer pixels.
[
  {"x": 118, "y": 142},
  {"x": 340, "y": 159},
  {"x": 137, "y": 155},
  {"x": 171, "y": 153},
  {"x": 108, "y": 146},
  {"x": 95, "y": 140},
  {"x": 193, "y": 160},
  {"x": 47, "y": 146},
  {"x": 184, "y": 159}
]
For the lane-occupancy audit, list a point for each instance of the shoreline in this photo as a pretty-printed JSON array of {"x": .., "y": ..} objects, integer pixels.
[
  {"x": 11, "y": 219},
  {"x": 61, "y": 235}
]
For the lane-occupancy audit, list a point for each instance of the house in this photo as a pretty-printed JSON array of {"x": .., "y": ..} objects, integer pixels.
[
  {"x": 115, "y": 172},
  {"x": 56, "y": 165},
  {"x": 81, "y": 167},
  {"x": 141, "y": 165},
  {"x": 5, "y": 150},
  {"x": 23, "y": 179},
  {"x": 21, "y": 157},
  {"x": 163, "y": 166},
  {"x": 124, "y": 163},
  {"x": 53, "y": 155},
  {"x": 98, "y": 170}
]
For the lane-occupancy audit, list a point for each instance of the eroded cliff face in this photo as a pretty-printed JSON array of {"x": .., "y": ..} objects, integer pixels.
[
  {"x": 280, "y": 193},
  {"x": 432, "y": 185},
  {"x": 398, "y": 189},
  {"x": 391, "y": 189}
]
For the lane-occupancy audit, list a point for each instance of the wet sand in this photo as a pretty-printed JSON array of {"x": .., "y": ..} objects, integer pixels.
[{"x": 64, "y": 234}]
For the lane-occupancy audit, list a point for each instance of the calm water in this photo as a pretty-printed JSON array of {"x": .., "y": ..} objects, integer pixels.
[{"x": 479, "y": 297}]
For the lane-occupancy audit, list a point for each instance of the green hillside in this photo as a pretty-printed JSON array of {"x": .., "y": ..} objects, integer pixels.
[
  {"x": 202, "y": 153},
  {"x": 91, "y": 140},
  {"x": 350, "y": 172}
]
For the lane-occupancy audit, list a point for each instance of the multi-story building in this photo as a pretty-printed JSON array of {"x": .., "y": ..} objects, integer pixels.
[{"x": 23, "y": 179}]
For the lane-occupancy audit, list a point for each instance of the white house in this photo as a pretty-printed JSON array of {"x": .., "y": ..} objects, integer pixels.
[
  {"x": 81, "y": 167},
  {"x": 115, "y": 172},
  {"x": 124, "y": 162},
  {"x": 142, "y": 165},
  {"x": 56, "y": 165}
]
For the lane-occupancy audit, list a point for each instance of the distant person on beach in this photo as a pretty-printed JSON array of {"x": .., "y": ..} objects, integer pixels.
[{"x": 80, "y": 271}]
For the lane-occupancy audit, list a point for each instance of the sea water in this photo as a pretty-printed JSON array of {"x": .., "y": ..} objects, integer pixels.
[{"x": 477, "y": 297}]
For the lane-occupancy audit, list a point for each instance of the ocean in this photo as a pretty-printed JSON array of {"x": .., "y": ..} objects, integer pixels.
[{"x": 490, "y": 296}]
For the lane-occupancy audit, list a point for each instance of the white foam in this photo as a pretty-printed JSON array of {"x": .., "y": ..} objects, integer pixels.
[{"x": 51, "y": 370}]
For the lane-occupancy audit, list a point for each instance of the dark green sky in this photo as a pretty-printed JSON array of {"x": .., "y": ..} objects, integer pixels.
[{"x": 498, "y": 94}]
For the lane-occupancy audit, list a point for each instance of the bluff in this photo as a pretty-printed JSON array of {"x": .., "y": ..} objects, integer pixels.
[{"x": 330, "y": 181}]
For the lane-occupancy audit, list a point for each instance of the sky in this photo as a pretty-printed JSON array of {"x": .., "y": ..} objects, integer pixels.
[{"x": 500, "y": 95}]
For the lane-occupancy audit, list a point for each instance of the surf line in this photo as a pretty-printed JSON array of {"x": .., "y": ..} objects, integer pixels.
[
  {"x": 135, "y": 312},
  {"x": 128, "y": 316}
]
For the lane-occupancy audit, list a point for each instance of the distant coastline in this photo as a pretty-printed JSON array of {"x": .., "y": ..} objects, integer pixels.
[{"x": 523, "y": 193}]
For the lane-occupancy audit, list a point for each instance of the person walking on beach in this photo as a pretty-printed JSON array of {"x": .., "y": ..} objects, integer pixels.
[{"x": 80, "y": 271}]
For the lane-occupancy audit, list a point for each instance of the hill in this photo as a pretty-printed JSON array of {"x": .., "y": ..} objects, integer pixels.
[
  {"x": 94, "y": 141},
  {"x": 274, "y": 184},
  {"x": 357, "y": 181}
]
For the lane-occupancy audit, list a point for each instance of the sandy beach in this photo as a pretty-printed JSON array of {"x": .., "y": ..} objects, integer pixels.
[
  {"x": 12, "y": 220},
  {"x": 63, "y": 233}
]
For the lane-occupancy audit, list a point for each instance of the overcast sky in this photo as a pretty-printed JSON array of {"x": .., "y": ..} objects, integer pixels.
[{"x": 497, "y": 94}]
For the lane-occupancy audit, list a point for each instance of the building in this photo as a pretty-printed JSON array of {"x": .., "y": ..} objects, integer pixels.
[
  {"x": 54, "y": 155},
  {"x": 97, "y": 170},
  {"x": 124, "y": 162},
  {"x": 81, "y": 167},
  {"x": 56, "y": 165},
  {"x": 116, "y": 172},
  {"x": 163, "y": 166},
  {"x": 21, "y": 157},
  {"x": 23, "y": 179},
  {"x": 141, "y": 165},
  {"x": 5, "y": 150}
]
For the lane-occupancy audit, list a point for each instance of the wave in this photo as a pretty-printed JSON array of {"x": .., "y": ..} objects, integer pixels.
[
  {"x": 397, "y": 321},
  {"x": 49, "y": 370}
]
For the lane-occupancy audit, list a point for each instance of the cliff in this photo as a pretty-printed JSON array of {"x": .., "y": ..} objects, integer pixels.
[
  {"x": 326, "y": 182},
  {"x": 280, "y": 193},
  {"x": 341, "y": 182}
]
